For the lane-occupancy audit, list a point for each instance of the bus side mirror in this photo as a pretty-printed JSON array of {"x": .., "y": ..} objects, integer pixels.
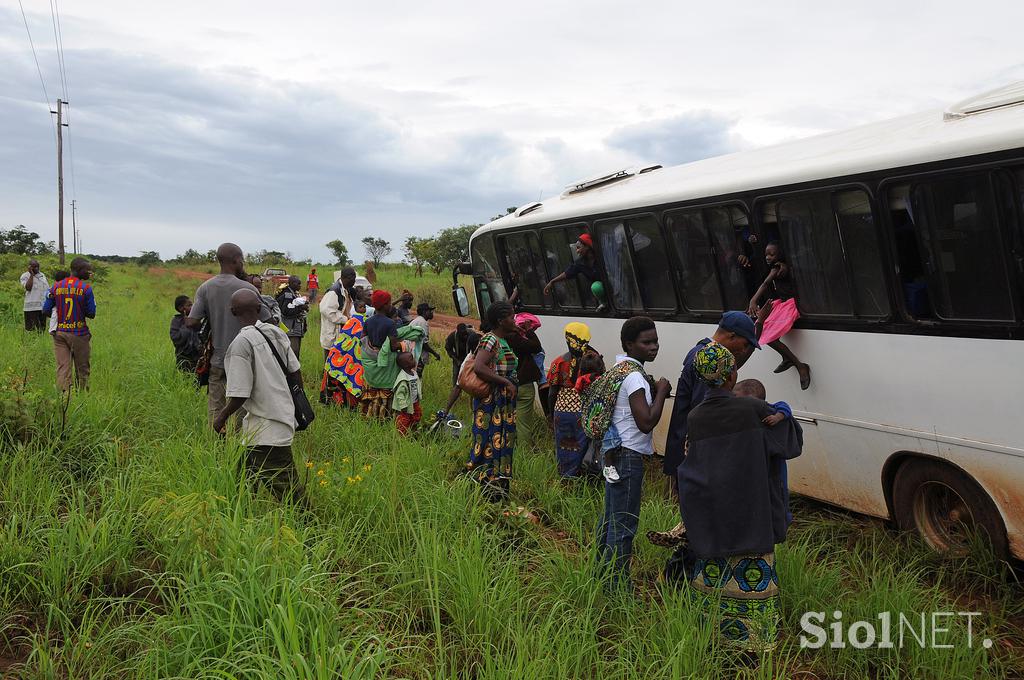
[{"x": 461, "y": 301}]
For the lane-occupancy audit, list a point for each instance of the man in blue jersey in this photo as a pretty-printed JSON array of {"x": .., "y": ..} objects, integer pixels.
[{"x": 73, "y": 299}]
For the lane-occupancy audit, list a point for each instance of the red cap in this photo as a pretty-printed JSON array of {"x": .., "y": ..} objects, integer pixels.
[
  {"x": 379, "y": 298},
  {"x": 586, "y": 240}
]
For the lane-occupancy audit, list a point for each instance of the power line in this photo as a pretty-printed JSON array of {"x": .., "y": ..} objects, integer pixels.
[
  {"x": 59, "y": 36},
  {"x": 46, "y": 97},
  {"x": 59, "y": 45}
]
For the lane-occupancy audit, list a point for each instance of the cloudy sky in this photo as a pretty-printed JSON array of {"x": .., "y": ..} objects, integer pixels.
[{"x": 286, "y": 125}]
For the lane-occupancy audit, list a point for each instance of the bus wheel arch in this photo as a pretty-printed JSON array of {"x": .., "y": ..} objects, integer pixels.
[{"x": 936, "y": 499}]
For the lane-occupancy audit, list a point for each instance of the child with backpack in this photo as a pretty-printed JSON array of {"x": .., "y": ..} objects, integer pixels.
[{"x": 621, "y": 409}]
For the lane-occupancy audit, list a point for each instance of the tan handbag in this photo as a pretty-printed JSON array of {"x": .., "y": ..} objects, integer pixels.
[{"x": 470, "y": 382}]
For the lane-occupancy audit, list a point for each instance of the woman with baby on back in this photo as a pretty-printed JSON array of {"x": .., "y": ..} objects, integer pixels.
[{"x": 782, "y": 312}]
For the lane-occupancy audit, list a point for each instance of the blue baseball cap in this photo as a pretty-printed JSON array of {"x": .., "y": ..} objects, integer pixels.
[{"x": 740, "y": 324}]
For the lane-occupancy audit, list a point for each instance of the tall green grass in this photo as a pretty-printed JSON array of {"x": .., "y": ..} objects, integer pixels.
[{"x": 129, "y": 548}]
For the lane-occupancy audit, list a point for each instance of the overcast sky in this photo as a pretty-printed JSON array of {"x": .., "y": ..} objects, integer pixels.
[{"x": 286, "y": 125}]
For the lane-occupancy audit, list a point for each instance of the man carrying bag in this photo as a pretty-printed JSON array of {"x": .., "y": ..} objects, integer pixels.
[{"x": 263, "y": 376}]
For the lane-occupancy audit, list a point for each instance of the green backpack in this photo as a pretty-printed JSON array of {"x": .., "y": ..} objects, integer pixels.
[{"x": 599, "y": 399}]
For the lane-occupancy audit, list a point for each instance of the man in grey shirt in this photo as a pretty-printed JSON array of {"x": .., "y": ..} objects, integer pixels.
[{"x": 213, "y": 302}]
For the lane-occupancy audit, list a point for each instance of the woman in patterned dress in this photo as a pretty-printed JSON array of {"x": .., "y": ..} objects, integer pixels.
[
  {"x": 731, "y": 500},
  {"x": 343, "y": 383},
  {"x": 494, "y": 416}
]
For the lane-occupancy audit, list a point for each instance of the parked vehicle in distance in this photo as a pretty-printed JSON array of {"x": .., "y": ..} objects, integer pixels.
[{"x": 275, "y": 276}]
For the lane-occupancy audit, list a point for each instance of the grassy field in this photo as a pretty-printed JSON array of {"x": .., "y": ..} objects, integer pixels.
[{"x": 130, "y": 549}]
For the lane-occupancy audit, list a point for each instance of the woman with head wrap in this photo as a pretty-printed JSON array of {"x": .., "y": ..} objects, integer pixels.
[
  {"x": 570, "y": 441},
  {"x": 732, "y": 504},
  {"x": 494, "y": 416},
  {"x": 526, "y": 346}
]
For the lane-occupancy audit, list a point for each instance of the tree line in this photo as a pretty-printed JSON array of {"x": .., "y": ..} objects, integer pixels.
[{"x": 439, "y": 252}]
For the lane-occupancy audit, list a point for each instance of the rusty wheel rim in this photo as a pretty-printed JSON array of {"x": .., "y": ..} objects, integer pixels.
[{"x": 943, "y": 518}]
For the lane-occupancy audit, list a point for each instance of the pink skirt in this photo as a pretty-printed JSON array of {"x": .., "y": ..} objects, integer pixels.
[{"x": 782, "y": 317}]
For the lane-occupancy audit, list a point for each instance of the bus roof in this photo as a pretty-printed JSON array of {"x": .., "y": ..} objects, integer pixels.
[{"x": 993, "y": 121}]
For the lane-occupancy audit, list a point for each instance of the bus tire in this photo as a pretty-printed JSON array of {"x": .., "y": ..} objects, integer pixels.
[{"x": 942, "y": 504}]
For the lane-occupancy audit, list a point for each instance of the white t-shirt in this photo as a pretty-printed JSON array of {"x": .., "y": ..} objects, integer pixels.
[
  {"x": 253, "y": 373},
  {"x": 34, "y": 298},
  {"x": 622, "y": 418}
]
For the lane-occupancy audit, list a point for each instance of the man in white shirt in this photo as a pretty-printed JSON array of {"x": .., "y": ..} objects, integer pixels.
[
  {"x": 257, "y": 381},
  {"x": 335, "y": 308},
  {"x": 36, "y": 286}
]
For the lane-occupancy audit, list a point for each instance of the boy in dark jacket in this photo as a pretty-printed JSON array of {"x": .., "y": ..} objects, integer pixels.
[{"x": 186, "y": 340}]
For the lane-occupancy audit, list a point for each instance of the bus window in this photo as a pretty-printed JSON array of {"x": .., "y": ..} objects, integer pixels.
[
  {"x": 558, "y": 253},
  {"x": 730, "y": 232},
  {"x": 1014, "y": 192},
  {"x": 489, "y": 285},
  {"x": 860, "y": 242},
  {"x": 963, "y": 251},
  {"x": 523, "y": 257},
  {"x": 696, "y": 258},
  {"x": 810, "y": 240},
  {"x": 913, "y": 282},
  {"x": 652, "y": 270},
  {"x": 614, "y": 249}
]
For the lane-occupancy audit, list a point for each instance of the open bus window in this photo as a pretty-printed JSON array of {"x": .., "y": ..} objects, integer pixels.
[
  {"x": 636, "y": 264},
  {"x": 962, "y": 249},
  {"x": 523, "y": 257},
  {"x": 490, "y": 286},
  {"x": 696, "y": 256},
  {"x": 831, "y": 242},
  {"x": 708, "y": 245},
  {"x": 559, "y": 254},
  {"x": 734, "y": 245}
]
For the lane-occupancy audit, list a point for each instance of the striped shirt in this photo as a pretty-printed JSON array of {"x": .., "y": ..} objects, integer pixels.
[{"x": 74, "y": 302}]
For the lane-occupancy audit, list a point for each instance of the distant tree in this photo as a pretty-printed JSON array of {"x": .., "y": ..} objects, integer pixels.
[
  {"x": 377, "y": 248},
  {"x": 211, "y": 255},
  {"x": 419, "y": 251},
  {"x": 191, "y": 256},
  {"x": 148, "y": 257},
  {"x": 452, "y": 246},
  {"x": 340, "y": 251},
  {"x": 508, "y": 211},
  {"x": 270, "y": 258},
  {"x": 20, "y": 241}
]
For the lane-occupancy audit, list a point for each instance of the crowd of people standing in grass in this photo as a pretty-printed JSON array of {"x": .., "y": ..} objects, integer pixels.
[{"x": 726, "y": 448}]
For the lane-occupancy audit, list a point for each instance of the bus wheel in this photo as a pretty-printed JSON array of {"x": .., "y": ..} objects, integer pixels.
[{"x": 946, "y": 508}]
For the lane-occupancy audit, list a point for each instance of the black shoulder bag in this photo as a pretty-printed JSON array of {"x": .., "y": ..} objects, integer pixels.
[{"x": 303, "y": 411}]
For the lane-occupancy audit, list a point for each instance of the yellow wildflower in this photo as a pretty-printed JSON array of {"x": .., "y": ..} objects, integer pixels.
[
  {"x": 367, "y": 468},
  {"x": 345, "y": 459},
  {"x": 359, "y": 478},
  {"x": 350, "y": 480},
  {"x": 309, "y": 464},
  {"x": 319, "y": 473},
  {"x": 323, "y": 482}
]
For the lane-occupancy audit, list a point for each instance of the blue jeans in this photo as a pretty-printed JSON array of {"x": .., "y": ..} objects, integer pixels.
[{"x": 621, "y": 516}]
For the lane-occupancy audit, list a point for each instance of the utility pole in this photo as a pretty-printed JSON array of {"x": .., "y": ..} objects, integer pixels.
[
  {"x": 60, "y": 180},
  {"x": 74, "y": 229}
]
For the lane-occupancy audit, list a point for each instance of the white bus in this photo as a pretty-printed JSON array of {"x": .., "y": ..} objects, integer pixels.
[{"x": 906, "y": 243}]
